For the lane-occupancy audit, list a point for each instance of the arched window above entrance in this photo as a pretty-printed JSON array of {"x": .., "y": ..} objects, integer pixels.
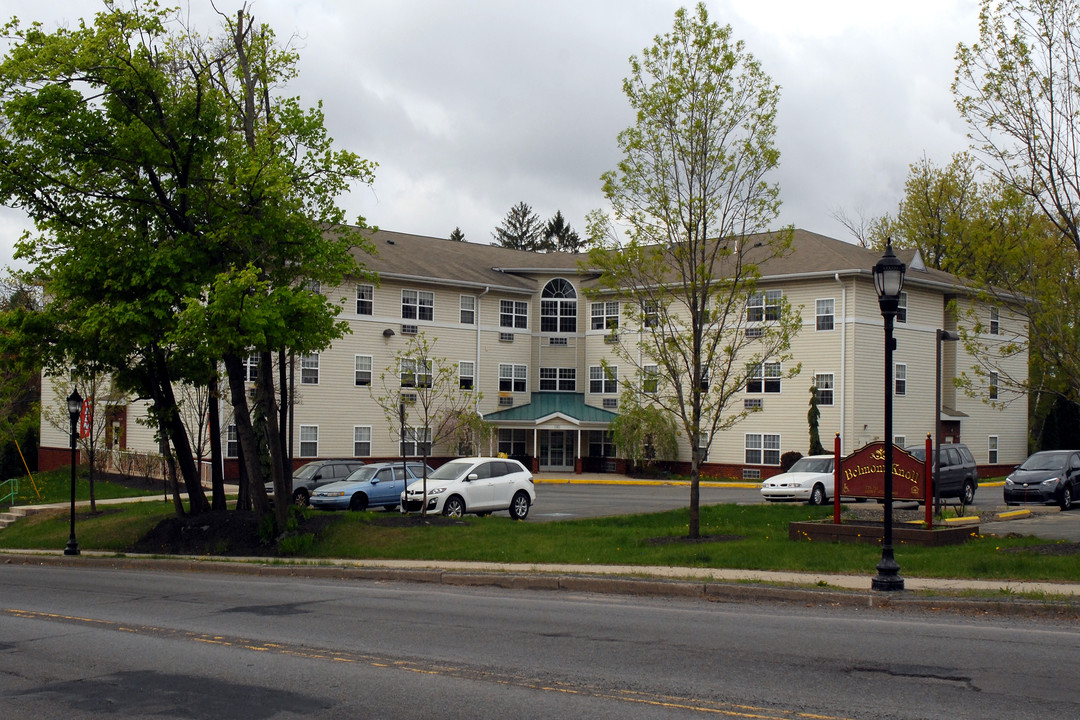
[{"x": 558, "y": 307}]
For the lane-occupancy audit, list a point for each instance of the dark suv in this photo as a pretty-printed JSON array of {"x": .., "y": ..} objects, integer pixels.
[
  {"x": 958, "y": 476},
  {"x": 318, "y": 472}
]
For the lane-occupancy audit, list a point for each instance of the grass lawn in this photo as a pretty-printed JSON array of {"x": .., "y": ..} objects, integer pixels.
[
  {"x": 750, "y": 537},
  {"x": 55, "y": 486}
]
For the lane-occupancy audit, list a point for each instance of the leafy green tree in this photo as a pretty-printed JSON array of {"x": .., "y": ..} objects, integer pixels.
[
  {"x": 689, "y": 190},
  {"x": 457, "y": 235},
  {"x": 558, "y": 235},
  {"x": 521, "y": 229},
  {"x": 183, "y": 210},
  {"x": 644, "y": 433},
  {"x": 440, "y": 406},
  {"x": 1016, "y": 89}
]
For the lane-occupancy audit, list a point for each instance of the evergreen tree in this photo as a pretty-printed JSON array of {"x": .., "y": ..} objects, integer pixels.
[
  {"x": 457, "y": 235},
  {"x": 521, "y": 229},
  {"x": 558, "y": 235}
]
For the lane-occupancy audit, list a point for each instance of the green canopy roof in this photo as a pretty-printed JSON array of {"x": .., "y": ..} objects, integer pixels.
[{"x": 543, "y": 405}]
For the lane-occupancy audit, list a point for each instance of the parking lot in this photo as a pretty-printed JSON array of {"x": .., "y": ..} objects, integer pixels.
[{"x": 562, "y": 497}]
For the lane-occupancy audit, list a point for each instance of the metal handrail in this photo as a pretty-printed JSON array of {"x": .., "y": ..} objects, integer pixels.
[{"x": 9, "y": 499}]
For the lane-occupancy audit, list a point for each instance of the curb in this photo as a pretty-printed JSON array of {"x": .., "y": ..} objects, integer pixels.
[{"x": 585, "y": 583}]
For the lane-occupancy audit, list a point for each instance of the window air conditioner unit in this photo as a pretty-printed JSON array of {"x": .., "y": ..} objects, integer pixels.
[
  {"x": 409, "y": 329},
  {"x": 506, "y": 337}
]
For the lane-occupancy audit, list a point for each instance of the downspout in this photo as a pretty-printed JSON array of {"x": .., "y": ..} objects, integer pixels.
[
  {"x": 476, "y": 369},
  {"x": 843, "y": 357},
  {"x": 476, "y": 378}
]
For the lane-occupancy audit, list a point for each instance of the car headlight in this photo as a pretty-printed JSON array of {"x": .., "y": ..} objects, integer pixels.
[
  {"x": 436, "y": 491},
  {"x": 331, "y": 494},
  {"x": 1051, "y": 482},
  {"x": 1009, "y": 481}
]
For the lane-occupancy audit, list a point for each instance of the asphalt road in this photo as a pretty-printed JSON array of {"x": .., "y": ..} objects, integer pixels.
[{"x": 88, "y": 643}]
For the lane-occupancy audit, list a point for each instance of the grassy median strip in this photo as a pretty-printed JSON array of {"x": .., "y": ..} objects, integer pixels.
[{"x": 749, "y": 537}]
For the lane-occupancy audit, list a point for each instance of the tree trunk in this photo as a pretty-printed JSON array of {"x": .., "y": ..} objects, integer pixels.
[
  {"x": 284, "y": 405},
  {"x": 173, "y": 429},
  {"x": 217, "y": 476},
  {"x": 282, "y": 499},
  {"x": 245, "y": 434}
]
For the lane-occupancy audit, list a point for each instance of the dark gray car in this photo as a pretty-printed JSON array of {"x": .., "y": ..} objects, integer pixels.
[
  {"x": 958, "y": 476},
  {"x": 315, "y": 474},
  {"x": 1049, "y": 477}
]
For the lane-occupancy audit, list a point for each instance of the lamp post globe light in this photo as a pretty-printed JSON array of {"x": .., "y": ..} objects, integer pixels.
[
  {"x": 74, "y": 406},
  {"x": 888, "y": 281}
]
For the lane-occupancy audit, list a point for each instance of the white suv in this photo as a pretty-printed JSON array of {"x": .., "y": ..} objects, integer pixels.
[{"x": 473, "y": 485}]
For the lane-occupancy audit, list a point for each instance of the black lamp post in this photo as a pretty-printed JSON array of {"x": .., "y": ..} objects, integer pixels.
[
  {"x": 74, "y": 406},
  {"x": 888, "y": 281}
]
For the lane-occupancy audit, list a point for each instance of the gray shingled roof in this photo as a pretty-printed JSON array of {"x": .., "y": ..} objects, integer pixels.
[{"x": 437, "y": 260}]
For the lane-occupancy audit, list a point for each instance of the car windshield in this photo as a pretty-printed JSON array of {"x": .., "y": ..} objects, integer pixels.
[
  {"x": 918, "y": 453},
  {"x": 814, "y": 465},
  {"x": 306, "y": 471},
  {"x": 451, "y": 470},
  {"x": 365, "y": 473},
  {"x": 1046, "y": 461}
]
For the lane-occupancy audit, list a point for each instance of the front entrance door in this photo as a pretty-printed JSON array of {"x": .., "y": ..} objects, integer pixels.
[{"x": 557, "y": 449}]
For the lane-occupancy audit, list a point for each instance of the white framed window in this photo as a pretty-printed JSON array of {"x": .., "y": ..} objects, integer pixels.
[
  {"x": 823, "y": 384},
  {"x": 514, "y": 314},
  {"x": 764, "y": 306},
  {"x": 309, "y": 441},
  {"x": 251, "y": 368},
  {"x": 513, "y": 378},
  {"x": 650, "y": 378},
  {"x": 900, "y": 379},
  {"x": 467, "y": 306},
  {"x": 995, "y": 321},
  {"x": 417, "y": 441},
  {"x": 466, "y": 370},
  {"x": 415, "y": 373},
  {"x": 309, "y": 369},
  {"x": 365, "y": 299},
  {"x": 899, "y": 440},
  {"x": 704, "y": 444},
  {"x": 232, "y": 442},
  {"x": 558, "y": 307},
  {"x": 992, "y": 449},
  {"x": 992, "y": 386},
  {"x": 363, "y": 370},
  {"x": 605, "y": 316},
  {"x": 417, "y": 305},
  {"x": 558, "y": 379},
  {"x": 764, "y": 378},
  {"x": 762, "y": 449},
  {"x": 361, "y": 440},
  {"x": 512, "y": 441},
  {"x": 601, "y": 444},
  {"x": 314, "y": 286},
  {"x": 603, "y": 380},
  {"x": 650, "y": 313},
  {"x": 901, "y": 309},
  {"x": 826, "y": 313}
]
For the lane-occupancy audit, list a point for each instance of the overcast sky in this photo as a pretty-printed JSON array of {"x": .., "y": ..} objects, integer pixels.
[{"x": 472, "y": 106}]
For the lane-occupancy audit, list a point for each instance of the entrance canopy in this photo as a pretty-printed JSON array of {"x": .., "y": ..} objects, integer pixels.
[{"x": 547, "y": 406}]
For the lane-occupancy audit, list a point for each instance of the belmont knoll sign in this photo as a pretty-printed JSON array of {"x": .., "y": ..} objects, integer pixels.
[{"x": 862, "y": 474}]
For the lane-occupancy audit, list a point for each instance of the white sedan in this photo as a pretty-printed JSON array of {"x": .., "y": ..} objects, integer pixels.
[{"x": 809, "y": 480}]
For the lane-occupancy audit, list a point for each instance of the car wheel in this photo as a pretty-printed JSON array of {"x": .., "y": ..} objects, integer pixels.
[
  {"x": 300, "y": 498},
  {"x": 967, "y": 495},
  {"x": 358, "y": 502},
  {"x": 817, "y": 495},
  {"x": 519, "y": 506},
  {"x": 1066, "y": 498},
  {"x": 454, "y": 507}
]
